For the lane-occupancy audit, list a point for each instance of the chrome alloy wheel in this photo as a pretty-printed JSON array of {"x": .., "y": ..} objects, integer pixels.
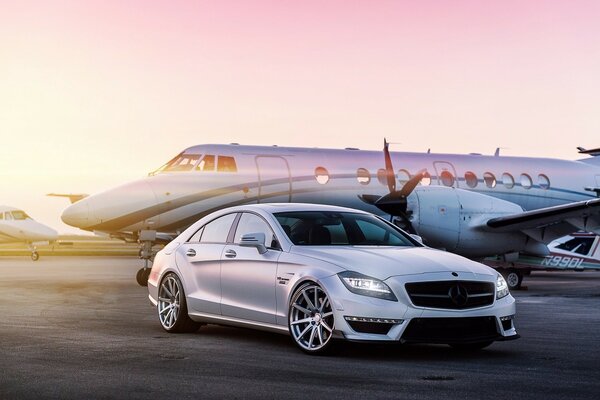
[
  {"x": 311, "y": 318},
  {"x": 169, "y": 301}
]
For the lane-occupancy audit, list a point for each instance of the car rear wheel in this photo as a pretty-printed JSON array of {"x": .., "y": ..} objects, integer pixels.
[
  {"x": 172, "y": 306},
  {"x": 311, "y": 320}
]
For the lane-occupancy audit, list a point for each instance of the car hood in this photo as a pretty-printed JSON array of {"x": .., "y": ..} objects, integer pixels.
[{"x": 383, "y": 262}]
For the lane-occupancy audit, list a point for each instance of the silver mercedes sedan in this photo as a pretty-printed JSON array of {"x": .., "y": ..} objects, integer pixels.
[{"x": 322, "y": 273}]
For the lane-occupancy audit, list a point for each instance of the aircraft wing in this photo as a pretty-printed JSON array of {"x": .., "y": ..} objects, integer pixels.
[
  {"x": 73, "y": 197},
  {"x": 547, "y": 224}
]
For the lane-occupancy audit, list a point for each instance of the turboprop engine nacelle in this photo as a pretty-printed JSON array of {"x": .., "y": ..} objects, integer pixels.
[{"x": 455, "y": 219}]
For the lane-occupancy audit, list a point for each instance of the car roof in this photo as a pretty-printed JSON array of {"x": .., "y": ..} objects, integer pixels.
[{"x": 287, "y": 207}]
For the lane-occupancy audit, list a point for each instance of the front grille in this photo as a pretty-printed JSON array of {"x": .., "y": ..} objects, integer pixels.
[
  {"x": 454, "y": 295},
  {"x": 451, "y": 330}
]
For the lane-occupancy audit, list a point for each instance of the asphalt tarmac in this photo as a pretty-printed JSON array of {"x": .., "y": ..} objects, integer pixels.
[{"x": 80, "y": 327}]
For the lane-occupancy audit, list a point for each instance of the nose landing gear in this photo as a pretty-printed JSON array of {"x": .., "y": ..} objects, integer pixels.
[
  {"x": 34, "y": 254},
  {"x": 146, "y": 240}
]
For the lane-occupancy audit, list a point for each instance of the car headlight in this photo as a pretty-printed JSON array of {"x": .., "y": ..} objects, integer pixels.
[
  {"x": 501, "y": 287},
  {"x": 366, "y": 285}
]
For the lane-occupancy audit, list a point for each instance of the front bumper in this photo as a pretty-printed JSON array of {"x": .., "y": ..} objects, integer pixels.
[{"x": 362, "y": 318}]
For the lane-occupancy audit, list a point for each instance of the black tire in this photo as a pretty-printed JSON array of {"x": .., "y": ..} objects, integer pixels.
[
  {"x": 142, "y": 276},
  {"x": 467, "y": 347},
  {"x": 172, "y": 306},
  {"x": 514, "y": 278},
  {"x": 35, "y": 256},
  {"x": 311, "y": 325}
]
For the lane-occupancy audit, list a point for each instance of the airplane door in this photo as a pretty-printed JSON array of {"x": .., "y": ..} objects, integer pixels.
[
  {"x": 274, "y": 179},
  {"x": 446, "y": 174}
]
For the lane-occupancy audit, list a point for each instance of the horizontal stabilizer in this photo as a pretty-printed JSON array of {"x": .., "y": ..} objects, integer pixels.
[
  {"x": 591, "y": 152},
  {"x": 73, "y": 197}
]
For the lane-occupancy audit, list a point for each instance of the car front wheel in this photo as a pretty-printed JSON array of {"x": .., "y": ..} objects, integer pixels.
[{"x": 311, "y": 320}]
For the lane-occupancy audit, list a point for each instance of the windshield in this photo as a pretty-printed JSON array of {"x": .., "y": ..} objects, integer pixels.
[
  {"x": 181, "y": 162},
  {"x": 19, "y": 215},
  {"x": 322, "y": 228}
]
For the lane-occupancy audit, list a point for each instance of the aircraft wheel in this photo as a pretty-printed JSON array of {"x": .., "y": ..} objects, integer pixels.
[
  {"x": 35, "y": 256},
  {"x": 514, "y": 279},
  {"x": 142, "y": 276}
]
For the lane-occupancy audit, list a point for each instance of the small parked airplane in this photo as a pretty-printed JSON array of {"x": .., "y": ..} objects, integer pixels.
[
  {"x": 18, "y": 227},
  {"x": 578, "y": 251},
  {"x": 473, "y": 205}
]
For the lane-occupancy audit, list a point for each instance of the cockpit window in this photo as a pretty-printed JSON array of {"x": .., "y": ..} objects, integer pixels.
[
  {"x": 207, "y": 163},
  {"x": 19, "y": 215},
  {"x": 579, "y": 245},
  {"x": 226, "y": 164},
  {"x": 181, "y": 162}
]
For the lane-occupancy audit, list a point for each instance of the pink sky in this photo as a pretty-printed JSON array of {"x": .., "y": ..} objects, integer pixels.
[{"x": 95, "y": 93}]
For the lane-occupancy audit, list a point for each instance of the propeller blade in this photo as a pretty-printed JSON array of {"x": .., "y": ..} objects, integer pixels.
[
  {"x": 369, "y": 198},
  {"x": 389, "y": 168},
  {"x": 412, "y": 183}
]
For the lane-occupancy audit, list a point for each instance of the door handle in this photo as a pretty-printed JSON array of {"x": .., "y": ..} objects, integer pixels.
[
  {"x": 230, "y": 254},
  {"x": 190, "y": 253}
]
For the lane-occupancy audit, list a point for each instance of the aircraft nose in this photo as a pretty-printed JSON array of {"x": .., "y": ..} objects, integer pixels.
[
  {"x": 51, "y": 234},
  {"x": 77, "y": 214}
]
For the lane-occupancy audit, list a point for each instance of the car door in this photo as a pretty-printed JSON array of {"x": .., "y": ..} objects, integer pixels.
[
  {"x": 199, "y": 261},
  {"x": 247, "y": 277}
]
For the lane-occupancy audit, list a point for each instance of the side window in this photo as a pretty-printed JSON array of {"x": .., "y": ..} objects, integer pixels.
[
  {"x": 226, "y": 164},
  {"x": 217, "y": 231},
  {"x": 8, "y": 216},
  {"x": 251, "y": 223},
  {"x": 1, "y": 216},
  {"x": 578, "y": 245},
  {"x": 196, "y": 237},
  {"x": 207, "y": 163}
]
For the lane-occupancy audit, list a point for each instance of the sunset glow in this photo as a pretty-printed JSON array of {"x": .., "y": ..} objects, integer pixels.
[{"x": 96, "y": 93}]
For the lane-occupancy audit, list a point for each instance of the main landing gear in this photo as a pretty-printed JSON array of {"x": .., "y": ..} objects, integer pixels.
[
  {"x": 514, "y": 277},
  {"x": 146, "y": 240}
]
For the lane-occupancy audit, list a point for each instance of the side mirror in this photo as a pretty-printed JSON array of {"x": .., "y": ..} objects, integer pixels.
[
  {"x": 417, "y": 238},
  {"x": 254, "y": 240}
]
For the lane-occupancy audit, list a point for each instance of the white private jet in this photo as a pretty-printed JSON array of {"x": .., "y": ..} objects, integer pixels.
[
  {"x": 18, "y": 227},
  {"x": 473, "y": 205}
]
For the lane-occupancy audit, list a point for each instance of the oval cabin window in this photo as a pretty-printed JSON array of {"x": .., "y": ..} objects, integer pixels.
[
  {"x": 543, "y": 181},
  {"x": 426, "y": 179},
  {"x": 321, "y": 175},
  {"x": 363, "y": 176},
  {"x": 526, "y": 181},
  {"x": 508, "y": 180},
  {"x": 447, "y": 178},
  {"x": 471, "y": 179},
  {"x": 490, "y": 180}
]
